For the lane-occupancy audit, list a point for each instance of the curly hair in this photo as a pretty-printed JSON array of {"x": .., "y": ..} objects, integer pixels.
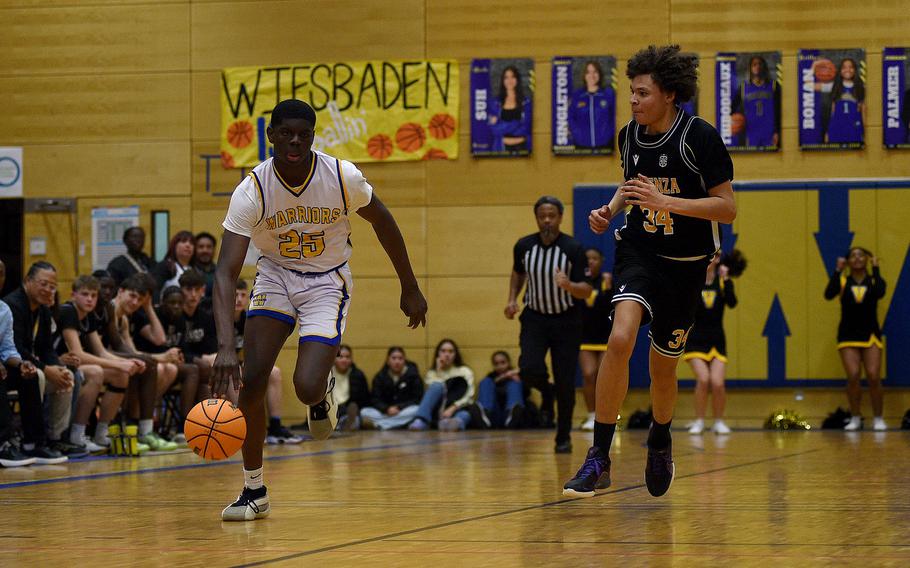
[
  {"x": 735, "y": 261},
  {"x": 674, "y": 72}
]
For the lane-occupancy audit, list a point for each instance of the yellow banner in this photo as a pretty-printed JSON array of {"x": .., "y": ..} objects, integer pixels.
[{"x": 367, "y": 111}]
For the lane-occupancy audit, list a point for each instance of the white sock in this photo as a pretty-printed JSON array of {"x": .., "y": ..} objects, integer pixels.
[
  {"x": 145, "y": 427},
  {"x": 590, "y": 416},
  {"x": 77, "y": 432},
  {"x": 252, "y": 478},
  {"x": 101, "y": 431}
]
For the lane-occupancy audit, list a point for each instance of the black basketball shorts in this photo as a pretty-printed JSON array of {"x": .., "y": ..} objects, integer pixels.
[{"x": 668, "y": 289}]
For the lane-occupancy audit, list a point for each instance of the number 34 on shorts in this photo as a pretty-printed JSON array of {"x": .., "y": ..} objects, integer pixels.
[{"x": 680, "y": 336}]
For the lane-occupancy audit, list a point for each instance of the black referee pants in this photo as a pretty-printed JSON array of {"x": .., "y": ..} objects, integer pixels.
[{"x": 561, "y": 335}]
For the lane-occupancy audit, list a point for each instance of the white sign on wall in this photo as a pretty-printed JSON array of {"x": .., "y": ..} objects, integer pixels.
[
  {"x": 10, "y": 172},
  {"x": 108, "y": 225}
]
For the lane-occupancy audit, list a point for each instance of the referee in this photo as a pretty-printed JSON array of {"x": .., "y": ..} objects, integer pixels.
[{"x": 553, "y": 265}]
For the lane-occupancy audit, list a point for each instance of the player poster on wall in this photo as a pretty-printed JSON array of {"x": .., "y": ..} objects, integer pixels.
[
  {"x": 896, "y": 94},
  {"x": 747, "y": 93},
  {"x": 584, "y": 105},
  {"x": 502, "y": 99},
  {"x": 832, "y": 98},
  {"x": 691, "y": 106}
]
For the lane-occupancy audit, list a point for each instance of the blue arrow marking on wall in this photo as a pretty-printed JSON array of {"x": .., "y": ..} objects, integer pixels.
[
  {"x": 897, "y": 328},
  {"x": 728, "y": 238},
  {"x": 834, "y": 236},
  {"x": 777, "y": 331}
]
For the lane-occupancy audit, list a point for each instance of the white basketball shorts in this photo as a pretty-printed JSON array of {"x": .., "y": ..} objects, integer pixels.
[{"x": 317, "y": 301}]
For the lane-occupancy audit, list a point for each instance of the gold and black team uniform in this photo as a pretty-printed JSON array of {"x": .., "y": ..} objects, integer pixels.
[
  {"x": 707, "y": 340},
  {"x": 596, "y": 322},
  {"x": 859, "y": 308},
  {"x": 662, "y": 257}
]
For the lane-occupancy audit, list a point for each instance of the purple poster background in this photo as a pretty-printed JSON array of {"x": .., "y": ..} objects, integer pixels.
[
  {"x": 583, "y": 118},
  {"x": 831, "y": 98},
  {"x": 896, "y": 97},
  {"x": 502, "y": 102},
  {"x": 747, "y": 100},
  {"x": 691, "y": 106}
]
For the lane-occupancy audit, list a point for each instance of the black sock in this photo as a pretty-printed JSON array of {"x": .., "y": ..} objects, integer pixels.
[
  {"x": 603, "y": 436},
  {"x": 274, "y": 423},
  {"x": 659, "y": 437}
]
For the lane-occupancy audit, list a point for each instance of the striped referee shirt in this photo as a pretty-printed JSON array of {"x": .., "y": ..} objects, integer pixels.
[{"x": 540, "y": 262}]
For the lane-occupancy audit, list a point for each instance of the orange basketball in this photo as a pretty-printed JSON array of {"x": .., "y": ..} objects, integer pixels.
[
  {"x": 442, "y": 126},
  {"x": 410, "y": 136},
  {"x": 380, "y": 147},
  {"x": 227, "y": 161},
  {"x": 240, "y": 134},
  {"x": 215, "y": 429},
  {"x": 435, "y": 154},
  {"x": 737, "y": 122},
  {"x": 825, "y": 70}
]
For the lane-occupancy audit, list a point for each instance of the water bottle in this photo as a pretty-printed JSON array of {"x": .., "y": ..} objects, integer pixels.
[
  {"x": 131, "y": 440},
  {"x": 113, "y": 433}
]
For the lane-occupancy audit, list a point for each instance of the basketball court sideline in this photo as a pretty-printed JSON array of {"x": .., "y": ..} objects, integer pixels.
[{"x": 484, "y": 499}]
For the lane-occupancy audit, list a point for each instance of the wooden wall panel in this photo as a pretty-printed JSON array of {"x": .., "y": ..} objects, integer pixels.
[
  {"x": 538, "y": 28},
  {"x": 94, "y": 38},
  {"x": 478, "y": 241},
  {"x": 206, "y": 110},
  {"x": 275, "y": 32},
  {"x": 787, "y": 24},
  {"x": 470, "y": 310},
  {"x": 370, "y": 259},
  {"x": 67, "y": 170},
  {"x": 95, "y": 108},
  {"x": 501, "y": 181},
  {"x": 375, "y": 320},
  {"x": 59, "y": 232},
  {"x": 70, "y": 3}
]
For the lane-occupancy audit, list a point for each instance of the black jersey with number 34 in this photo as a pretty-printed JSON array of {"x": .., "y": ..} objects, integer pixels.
[{"x": 685, "y": 161}]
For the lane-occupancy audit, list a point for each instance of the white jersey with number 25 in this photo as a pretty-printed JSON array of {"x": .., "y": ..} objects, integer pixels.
[{"x": 304, "y": 228}]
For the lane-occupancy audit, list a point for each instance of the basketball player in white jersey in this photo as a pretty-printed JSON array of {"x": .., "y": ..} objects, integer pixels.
[{"x": 295, "y": 209}]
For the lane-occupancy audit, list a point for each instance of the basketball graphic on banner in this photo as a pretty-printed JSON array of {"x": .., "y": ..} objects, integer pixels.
[
  {"x": 240, "y": 134},
  {"x": 410, "y": 137},
  {"x": 380, "y": 147},
  {"x": 442, "y": 126}
]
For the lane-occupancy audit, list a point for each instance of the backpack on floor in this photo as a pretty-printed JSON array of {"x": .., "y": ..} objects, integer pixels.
[
  {"x": 640, "y": 420},
  {"x": 836, "y": 420}
]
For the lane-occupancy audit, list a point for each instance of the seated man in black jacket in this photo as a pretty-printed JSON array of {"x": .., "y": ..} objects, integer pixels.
[
  {"x": 397, "y": 390},
  {"x": 33, "y": 335}
]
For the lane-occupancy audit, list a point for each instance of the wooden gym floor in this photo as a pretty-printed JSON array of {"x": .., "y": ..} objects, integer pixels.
[{"x": 478, "y": 499}]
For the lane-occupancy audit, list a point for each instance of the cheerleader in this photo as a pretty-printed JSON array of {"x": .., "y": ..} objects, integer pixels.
[
  {"x": 859, "y": 337},
  {"x": 706, "y": 349},
  {"x": 595, "y": 328}
]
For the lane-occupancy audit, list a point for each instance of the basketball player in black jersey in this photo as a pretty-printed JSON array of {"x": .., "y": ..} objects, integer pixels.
[{"x": 678, "y": 181}]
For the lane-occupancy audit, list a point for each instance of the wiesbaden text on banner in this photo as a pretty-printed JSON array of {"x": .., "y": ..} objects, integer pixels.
[{"x": 366, "y": 111}]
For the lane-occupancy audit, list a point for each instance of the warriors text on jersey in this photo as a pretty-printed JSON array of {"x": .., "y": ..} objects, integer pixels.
[
  {"x": 685, "y": 162},
  {"x": 304, "y": 228}
]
